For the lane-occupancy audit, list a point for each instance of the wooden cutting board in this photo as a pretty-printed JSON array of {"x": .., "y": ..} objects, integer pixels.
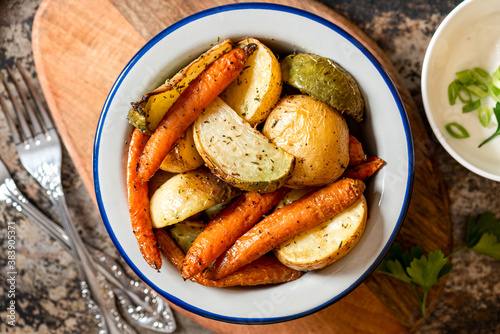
[{"x": 80, "y": 47}]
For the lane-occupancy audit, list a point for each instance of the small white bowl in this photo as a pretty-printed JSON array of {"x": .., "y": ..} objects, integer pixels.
[
  {"x": 385, "y": 133},
  {"x": 465, "y": 39}
]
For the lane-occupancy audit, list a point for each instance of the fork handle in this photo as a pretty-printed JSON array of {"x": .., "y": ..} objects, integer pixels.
[
  {"x": 13, "y": 196},
  {"x": 86, "y": 269},
  {"x": 23, "y": 205}
]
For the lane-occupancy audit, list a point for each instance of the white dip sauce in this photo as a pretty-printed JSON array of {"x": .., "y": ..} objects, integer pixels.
[{"x": 472, "y": 44}]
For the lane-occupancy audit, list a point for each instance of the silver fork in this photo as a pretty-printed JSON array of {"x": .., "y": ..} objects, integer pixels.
[
  {"x": 40, "y": 152},
  {"x": 140, "y": 305}
]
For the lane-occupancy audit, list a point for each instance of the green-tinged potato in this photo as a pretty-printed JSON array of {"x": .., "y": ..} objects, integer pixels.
[
  {"x": 213, "y": 211},
  {"x": 325, "y": 80},
  {"x": 326, "y": 243},
  {"x": 258, "y": 87},
  {"x": 183, "y": 157},
  {"x": 186, "y": 194},
  {"x": 158, "y": 179},
  {"x": 237, "y": 153},
  {"x": 146, "y": 113},
  {"x": 186, "y": 232},
  {"x": 316, "y": 134}
]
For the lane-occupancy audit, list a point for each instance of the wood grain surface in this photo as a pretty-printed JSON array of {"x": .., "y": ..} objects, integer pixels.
[{"x": 81, "y": 47}]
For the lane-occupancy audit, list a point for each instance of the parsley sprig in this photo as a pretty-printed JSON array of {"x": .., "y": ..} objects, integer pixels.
[{"x": 417, "y": 269}]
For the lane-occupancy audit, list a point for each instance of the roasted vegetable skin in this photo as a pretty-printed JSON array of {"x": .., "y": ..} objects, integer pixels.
[
  {"x": 325, "y": 80},
  {"x": 258, "y": 87},
  {"x": 239, "y": 154},
  {"x": 315, "y": 134},
  {"x": 186, "y": 194},
  {"x": 146, "y": 113}
]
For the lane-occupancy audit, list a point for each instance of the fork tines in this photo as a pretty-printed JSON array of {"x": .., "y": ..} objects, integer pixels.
[{"x": 31, "y": 122}]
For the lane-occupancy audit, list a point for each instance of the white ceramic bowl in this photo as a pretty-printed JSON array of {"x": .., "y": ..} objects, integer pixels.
[
  {"x": 465, "y": 39},
  {"x": 386, "y": 134}
]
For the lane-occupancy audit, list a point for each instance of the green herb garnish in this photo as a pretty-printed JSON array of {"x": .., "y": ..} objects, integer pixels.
[{"x": 417, "y": 269}]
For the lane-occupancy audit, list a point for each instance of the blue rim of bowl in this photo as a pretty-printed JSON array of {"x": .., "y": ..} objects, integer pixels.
[{"x": 272, "y": 7}]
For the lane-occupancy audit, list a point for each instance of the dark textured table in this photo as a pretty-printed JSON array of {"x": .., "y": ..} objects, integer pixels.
[{"x": 46, "y": 289}]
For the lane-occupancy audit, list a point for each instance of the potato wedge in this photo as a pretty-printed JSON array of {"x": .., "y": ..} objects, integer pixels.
[
  {"x": 325, "y": 80},
  {"x": 186, "y": 194},
  {"x": 258, "y": 87},
  {"x": 237, "y": 153},
  {"x": 326, "y": 243},
  {"x": 157, "y": 181},
  {"x": 183, "y": 157},
  {"x": 316, "y": 134},
  {"x": 186, "y": 232},
  {"x": 146, "y": 113}
]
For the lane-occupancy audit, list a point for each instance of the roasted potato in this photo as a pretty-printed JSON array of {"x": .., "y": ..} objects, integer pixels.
[
  {"x": 237, "y": 153},
  {"x": 316, "y": 134},
  {"x": 157, "y": 181},
  {"x": 326, "y": 243},
  {"x": 258, "y": 87},
  {"x": 146, "y": 113},
  {"x": 183, "y": 157},
  {"x": 186, "y": 232},
  {"x": 325, "y": 80},
  {"x": 186, "y": 194}
]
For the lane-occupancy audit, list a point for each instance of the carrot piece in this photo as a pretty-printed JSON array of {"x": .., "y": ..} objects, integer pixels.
[
  {"x": 169, "y": 248},
  {"x": 222, "y": 231},
  {"x": 203, "y": 90},
  {"x": 265, "y": 270},
  {"x": 281, "y": 225},
  {"x": 364, "y": 170},
  {"x": 356, "y": 153},
  {"x": 138, "y": 202}
]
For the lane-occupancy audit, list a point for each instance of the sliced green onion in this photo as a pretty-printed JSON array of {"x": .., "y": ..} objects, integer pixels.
[
  {"x": 471, "y": 106},
  {"x": 479, "y": 90},
  {"x": 465, "y": 77},
  {"x": 495, "y": 78},
  {"x": 494, "y": 92},
  {"x": 452, "y": 129},
  {"x": 484, "y": 115},
  {"x": 464, "y": 96},
  {"x": 453, "y": 91},
  {"x": 481, "y": 75}
]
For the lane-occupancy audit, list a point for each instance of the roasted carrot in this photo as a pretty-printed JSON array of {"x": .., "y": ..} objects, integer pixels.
[
  {"x": 364, "y": 170},
  {"x": 138, "y": 202},
  {"x": 222, "y": 231},
  {"x": 203, "y": 90},
  {"x": 281, "y": 225},
  {"x": 356, "y": 153},
  {"x": 265, "y": 270}
]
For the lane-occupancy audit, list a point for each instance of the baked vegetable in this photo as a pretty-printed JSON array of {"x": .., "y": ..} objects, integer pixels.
[
  {"x": 365, "y": 169},
  {"x": 146, "y": 113},
  {"x": 356, "y": 153},
  {"x": 237, "y": 153},
  {"x": 186, "y": 194},
  {"x": 265, "y": 270},
  {"x": 325, "y": 80},
  {"x": 281, "y": 225},
  {"x": 183, "y": 157},
  {"x": 138, "y": 203},
  {"x": 207, "y": 86},
  {"x": 222, "y": 231},
  {"x": 315, "y": 134},
  {"x": 186, "y": 232},
  {"x": 326, "y": 243},
  {"x": 258, "y": 87}
]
